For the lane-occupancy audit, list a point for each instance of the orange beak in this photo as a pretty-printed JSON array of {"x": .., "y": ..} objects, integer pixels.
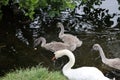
[{"x": 54, "y": 58}]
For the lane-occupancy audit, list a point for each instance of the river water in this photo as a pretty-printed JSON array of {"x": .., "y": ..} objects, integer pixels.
[{"x": 17, "y": 51}]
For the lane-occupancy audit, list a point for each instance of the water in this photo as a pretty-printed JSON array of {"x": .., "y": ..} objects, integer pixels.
[
  {"x": 16, "y": 50},
  {"x": 22, "y": 55},
  {"x": 85, "y": 56}
]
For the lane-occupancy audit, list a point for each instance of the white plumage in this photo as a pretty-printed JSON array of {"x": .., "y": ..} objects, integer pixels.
[{"x": 82, "y": 73}]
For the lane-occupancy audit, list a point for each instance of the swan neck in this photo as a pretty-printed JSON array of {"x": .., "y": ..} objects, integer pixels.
[
  {"x": 70, "y": 63},
  {"x": 62, "y": 30},
  {"x": 102, "y": 54},
  {"x": 43, "y": 42}
]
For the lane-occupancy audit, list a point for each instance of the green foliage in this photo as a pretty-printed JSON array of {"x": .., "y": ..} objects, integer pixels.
[
  {"x": 90, "y": 3},
  {"x": 30, "y": 5},
  {"x": 4, "y": 2},
  {"x": 43, "y": 3},
  {"x": 56, "y": 5},
  {"x": 59, "y": 5},
  {"x": 34, "y": 73},
  {"x": 68, "y": 4}
]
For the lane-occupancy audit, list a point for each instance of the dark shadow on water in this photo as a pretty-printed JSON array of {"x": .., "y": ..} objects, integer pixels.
[
  {"x": 16, "y": 45},
  {"x": 15, "y": 54}
]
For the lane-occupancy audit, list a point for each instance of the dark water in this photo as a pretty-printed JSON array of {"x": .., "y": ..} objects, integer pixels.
[
  {"x": 21, "y": 55},
  {"x": 16, "y": 48},
  {"x": 85, "y": 56}
]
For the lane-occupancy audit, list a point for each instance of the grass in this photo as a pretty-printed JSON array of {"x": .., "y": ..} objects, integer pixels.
[{"x": 34, "y": 73}]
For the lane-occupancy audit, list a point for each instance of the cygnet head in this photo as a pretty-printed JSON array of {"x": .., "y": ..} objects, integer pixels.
[
  {"x": 59, "y": 24},
  {"x": 80, "y": 43},
  {"x": 96, "y": 46}
]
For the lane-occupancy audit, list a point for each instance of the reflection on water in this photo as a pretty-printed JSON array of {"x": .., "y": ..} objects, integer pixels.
[
  {"x": 21, "y": 55},
  {"x": 85, "y": 56}
]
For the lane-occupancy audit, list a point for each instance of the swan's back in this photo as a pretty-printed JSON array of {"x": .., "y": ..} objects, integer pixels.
[
  {"x": 55, "y": 46},
  {"x": 70, "y": 39},
  {"x": 85, "y": 73},
  {"x": 115, "y": 63}
]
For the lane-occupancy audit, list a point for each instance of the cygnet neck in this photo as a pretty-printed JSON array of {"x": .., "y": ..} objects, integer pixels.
[
  {"x": 43, "y": 41},
  {"x": 102, "y": 54},
  {"x": 62, "y": 29}
]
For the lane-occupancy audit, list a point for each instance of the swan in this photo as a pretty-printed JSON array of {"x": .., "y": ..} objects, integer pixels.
[
  {"x": 53, "y": 46},
  {"x": 68, "y": 38},
  {"x": 114, "y": 63},
  {"x": 82, "y": 73}
]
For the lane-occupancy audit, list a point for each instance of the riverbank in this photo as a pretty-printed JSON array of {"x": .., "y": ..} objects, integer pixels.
[{"x": 34, "y": 73}]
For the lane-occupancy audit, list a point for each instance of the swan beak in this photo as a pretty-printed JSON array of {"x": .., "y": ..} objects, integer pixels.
[{"x": 54, "y": 58}]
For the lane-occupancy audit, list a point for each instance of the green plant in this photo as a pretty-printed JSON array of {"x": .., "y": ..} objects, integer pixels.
[
  {"x": 56, "y": 5},
  {"x": 3, "y": 2},
  {"x": 34, "y": 73},
  {"x": 30, "y": 5}
]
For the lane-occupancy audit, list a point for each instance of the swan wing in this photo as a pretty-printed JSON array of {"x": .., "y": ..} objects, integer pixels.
[
  {"x": 67, "y": 38},
  {"x": 55, "y": 46},
  {"x": 70, "y": 39},
  {"x": 115, "y": 63},
  {"x": 85, "y": 73}
]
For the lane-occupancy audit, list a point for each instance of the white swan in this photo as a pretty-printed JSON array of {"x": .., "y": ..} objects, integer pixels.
[
  {"x": 68, "y": 38},
  {"x": 82, "y": 73},
  {"x": 53, "y": 46},
  {"x": 114, "y": 63}
]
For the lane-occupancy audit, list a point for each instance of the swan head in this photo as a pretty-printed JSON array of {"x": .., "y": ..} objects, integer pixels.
[
  {"x": 61, "y": 53},
  {"x": 38, "y": 41},
  {"x": 59, "y": 24},
  {"x": 96, "y": 47}
]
